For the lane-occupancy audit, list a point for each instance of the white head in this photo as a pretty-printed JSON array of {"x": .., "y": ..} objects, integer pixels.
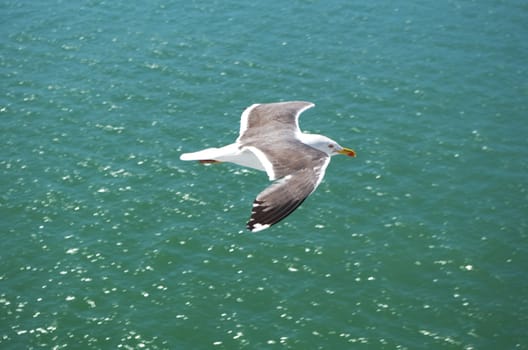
[{"x": 326, "y": 145}]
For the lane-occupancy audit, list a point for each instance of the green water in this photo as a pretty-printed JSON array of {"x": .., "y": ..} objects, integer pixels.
[{"x": 110, "y": 242}]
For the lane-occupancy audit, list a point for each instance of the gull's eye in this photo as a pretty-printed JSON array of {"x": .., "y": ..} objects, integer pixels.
[{"x": 330, "y": 146}]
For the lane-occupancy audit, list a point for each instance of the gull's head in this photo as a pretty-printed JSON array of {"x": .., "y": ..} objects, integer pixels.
[{"x": 326, "y": 145}]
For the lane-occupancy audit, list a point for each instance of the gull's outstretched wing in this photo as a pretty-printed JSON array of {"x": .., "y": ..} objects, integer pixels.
[{"x": 285, "y": 195}]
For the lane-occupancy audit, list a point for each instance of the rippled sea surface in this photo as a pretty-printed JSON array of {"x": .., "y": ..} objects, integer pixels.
[{"x": 109, "y": 241}]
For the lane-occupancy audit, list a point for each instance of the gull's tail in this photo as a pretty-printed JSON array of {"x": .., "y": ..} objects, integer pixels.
[
  {"x": 221, "y": 154},
  {"x": 206, "y": 154}
]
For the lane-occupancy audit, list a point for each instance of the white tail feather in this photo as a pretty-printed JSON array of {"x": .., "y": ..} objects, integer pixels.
[
  {"x": 230, "y": 153},
  {"x": 206, "y": 154}
]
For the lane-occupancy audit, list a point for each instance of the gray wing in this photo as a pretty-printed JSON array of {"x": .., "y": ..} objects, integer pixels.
[
  {"x": 287, "y": 156},
  {"x": 273, "y": 119},
  {"x": 285, "y": 195}
]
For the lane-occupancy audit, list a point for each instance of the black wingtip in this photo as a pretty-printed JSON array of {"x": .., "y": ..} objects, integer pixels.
[
  {"x": 263, "y": 216},
  {"x": 256, "y": 222}
]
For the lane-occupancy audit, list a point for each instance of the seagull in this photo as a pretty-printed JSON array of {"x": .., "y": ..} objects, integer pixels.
[{"x": 270, "y": 140}]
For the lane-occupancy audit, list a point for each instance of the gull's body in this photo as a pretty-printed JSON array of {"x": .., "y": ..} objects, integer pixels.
[{"x": 270, "y": 140}]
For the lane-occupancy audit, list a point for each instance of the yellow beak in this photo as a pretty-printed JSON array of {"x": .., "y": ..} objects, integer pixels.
[{"x": 347, "y": 152}]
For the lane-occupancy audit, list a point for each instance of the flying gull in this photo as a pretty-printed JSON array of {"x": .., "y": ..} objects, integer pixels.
[{"x": 270, "y": 140}]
